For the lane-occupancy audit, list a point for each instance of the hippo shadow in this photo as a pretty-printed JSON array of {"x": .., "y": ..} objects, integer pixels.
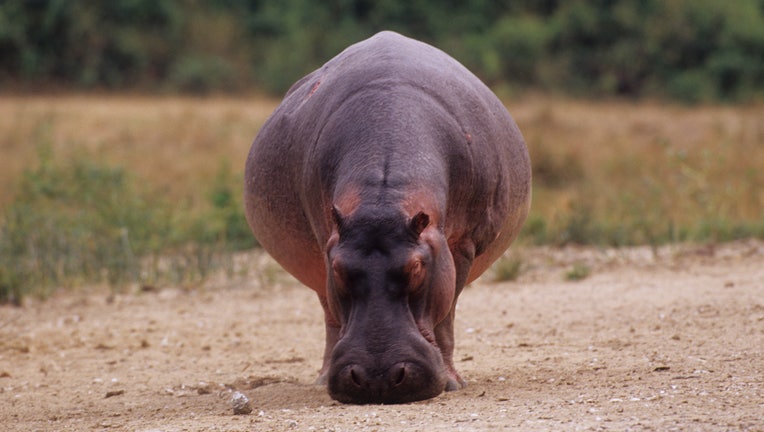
[
  {"x": 293, "y": 395},
  {"x": 289, "y": 395}
]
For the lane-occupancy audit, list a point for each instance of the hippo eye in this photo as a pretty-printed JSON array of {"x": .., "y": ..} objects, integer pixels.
[
  {"x": 416, "y": 267},
  {"x": 339, "y": 272},
  {"x": 340, "y": 277},
  {"x": 415, "y": 272}
]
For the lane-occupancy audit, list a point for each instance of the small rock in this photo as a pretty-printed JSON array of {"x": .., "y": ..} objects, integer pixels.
[
  {"x": 240, "y": 404},
  {"x": 203, "y": 388},
  {"x": 147, "y": 288},
  {"x": 114, "y": 393}
]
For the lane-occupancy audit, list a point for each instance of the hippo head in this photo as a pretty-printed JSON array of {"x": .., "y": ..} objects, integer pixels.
[{"x": 390, "y": 282}]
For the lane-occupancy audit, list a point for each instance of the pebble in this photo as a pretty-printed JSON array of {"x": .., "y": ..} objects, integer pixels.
[{"x": 240, "y": 404}]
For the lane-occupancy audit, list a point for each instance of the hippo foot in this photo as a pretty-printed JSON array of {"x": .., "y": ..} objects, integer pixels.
[
  {"x": 323, "y": 379},
  {"x": 453, "y": 385},
  {"x": 455, "y": 382}
]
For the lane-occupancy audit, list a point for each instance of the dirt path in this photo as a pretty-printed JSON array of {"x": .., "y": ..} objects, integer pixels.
[{"x": 667, "y": 342}]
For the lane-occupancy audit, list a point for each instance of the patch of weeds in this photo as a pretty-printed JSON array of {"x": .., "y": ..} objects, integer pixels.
[
  {"x": 579, "y": 272},
  {"x": 82, "y": 221},
  {"x": 227, "y": 214},
  {"x": 580, "y": 227},
  {"x": 507, "y": 269},
  {"x": 75, "y": 222},
  {"x": 535, "y": 229}
]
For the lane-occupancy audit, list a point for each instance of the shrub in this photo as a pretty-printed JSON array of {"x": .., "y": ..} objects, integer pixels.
[
  {"x": 507, "y": 269},
  {"x": 201, "y": 74},
  {"x": 579, "y": 271},
  {"x": 694, "y": 50}
]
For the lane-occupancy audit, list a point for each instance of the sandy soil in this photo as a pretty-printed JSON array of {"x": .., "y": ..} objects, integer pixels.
[{"x": 672, "y": 340}]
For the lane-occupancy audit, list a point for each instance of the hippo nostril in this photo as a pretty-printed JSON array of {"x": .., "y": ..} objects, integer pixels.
[
  {"x": 355, "y": 377},
  {"x": 398, "y": 374}
]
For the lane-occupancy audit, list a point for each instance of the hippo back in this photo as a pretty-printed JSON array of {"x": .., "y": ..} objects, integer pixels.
[{"x": 397, "y": 116}]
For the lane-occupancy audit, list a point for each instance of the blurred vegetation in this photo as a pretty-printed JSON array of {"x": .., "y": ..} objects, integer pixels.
[
  {"x": 578, "y": 272},
  {"x": 86, "y": 205},
  {"x": 82, "y": 221},
  {"x": 507, "y": 268},
  {"x": 688, "y": 50},
  {"x": 644, "y": 175}
]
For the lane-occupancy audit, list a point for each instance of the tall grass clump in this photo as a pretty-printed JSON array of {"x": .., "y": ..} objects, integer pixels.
[
  {"x": 73, "y": 222},
  {"x": 653, "y": 196},
  {"x": 643, "y": 175},
  {"x": 507, "y": 268},
  {"x": 81, "y": 221}
]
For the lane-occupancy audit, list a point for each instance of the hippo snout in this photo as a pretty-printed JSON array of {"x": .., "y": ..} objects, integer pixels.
[
  {"x": 401, "y": 382},
  {"x": 388, "y": 365}
]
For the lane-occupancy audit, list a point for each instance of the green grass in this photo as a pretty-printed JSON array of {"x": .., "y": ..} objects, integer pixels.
[
  {"x": 507, "y": 268},
  {"x": 83, "y": 221},
  {"x": 578, "y": 272}
]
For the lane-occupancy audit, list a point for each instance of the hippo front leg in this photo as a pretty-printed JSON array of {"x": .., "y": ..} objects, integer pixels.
[
  {"x": 444, "y": 331},
  {"x": 444, "y": 336},
  {"x": 332, "y": 336}
]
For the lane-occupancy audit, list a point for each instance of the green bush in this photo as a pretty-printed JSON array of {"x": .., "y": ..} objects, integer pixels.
[
  {"x": 692, "y": 86},
  {"x": 691, "y": 50},
  {"x": 201, "y": 74}
]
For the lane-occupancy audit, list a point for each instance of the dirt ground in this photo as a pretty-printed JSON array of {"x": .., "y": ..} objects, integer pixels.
[{"x": 661, "y": 340}]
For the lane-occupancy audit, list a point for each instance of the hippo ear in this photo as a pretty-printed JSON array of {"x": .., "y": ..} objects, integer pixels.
[
  {"x": 419, "y": 223},
  {"x": 337, "y": 217}
]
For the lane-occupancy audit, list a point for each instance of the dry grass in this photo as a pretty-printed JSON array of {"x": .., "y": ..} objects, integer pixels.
[
  {"x": 115, "y": 184},
  {"x": 120, "y": 190},
  {"x": 174, "y": 143},
  {"x": 612, "y": 162},
  {"x": 660, "y": 169}
]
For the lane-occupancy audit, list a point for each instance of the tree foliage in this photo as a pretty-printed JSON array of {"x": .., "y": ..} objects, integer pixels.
[{"x": 692, "y": 50}]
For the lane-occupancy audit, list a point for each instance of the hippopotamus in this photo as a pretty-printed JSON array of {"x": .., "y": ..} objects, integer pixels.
[{"x": 385, "y": 181}]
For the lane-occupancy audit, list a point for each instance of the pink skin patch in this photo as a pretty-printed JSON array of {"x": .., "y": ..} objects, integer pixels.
[{"x": 315, "y": 87}]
